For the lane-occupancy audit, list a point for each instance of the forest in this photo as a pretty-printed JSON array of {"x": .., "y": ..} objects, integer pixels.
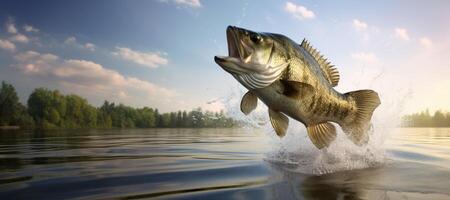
[
  {"x": 49, "y": 109},
  {"x": 425, "y": 119}
]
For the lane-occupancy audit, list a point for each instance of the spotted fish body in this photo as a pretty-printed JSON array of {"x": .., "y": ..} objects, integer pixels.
[{"x": 295, "y": 80}]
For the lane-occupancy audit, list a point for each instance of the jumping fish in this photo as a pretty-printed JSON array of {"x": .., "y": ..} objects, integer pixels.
[{"x": 296, "y": 80}]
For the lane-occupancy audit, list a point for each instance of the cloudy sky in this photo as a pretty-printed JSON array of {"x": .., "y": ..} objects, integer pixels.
[{"x": 160, "y": 53}]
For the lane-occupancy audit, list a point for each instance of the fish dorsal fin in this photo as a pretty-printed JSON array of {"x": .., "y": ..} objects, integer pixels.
[
  {"x": 322, "y": 134},
  {"x": 329, "y": 70},
  {"x": 279, "y": 122},
  {"x": 249, "y": 102}
]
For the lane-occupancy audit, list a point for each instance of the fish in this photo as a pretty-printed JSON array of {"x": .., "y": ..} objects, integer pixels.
[{"x": 297, "y": 81}]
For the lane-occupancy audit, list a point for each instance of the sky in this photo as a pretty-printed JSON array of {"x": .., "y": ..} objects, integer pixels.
[{"x": 160, "y": 53}]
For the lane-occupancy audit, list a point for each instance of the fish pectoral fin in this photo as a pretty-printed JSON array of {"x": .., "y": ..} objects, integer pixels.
[
  {"x": 249, "y": 102},
  {"x": 297, "y": 90},
  {"x": 279, "y": 122},
  {"x": 322, "y": 134}
]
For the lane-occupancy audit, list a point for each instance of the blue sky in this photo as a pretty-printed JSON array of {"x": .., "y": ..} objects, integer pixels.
[{"x": 160, "y": 53}]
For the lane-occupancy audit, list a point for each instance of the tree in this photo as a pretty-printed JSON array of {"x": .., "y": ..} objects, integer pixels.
[
  {"x": 173, "y": 119},
  {"x": 9, "y": 105},
  {"x": 424, "y": 119},
  {"x": 104, "y": 119},
  {"x": 185, "y": 122},
  {"x": 47, "y": 109},
  {"x": 158, "y": 119},
  {"x": 37, "y": 102},
  {"x": 165, "y": 120},
  {"x": 25, "y": 121},
  {"x": 179, "y": 119},
  {"x": 146, "y": 118},
  {"x": 439, "y": 119}
]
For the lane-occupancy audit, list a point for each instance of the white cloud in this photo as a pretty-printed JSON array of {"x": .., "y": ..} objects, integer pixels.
[
  {"x": 298, "y": 11},
  {"x": 26, "y": 56},
  {"x": 365, "y": 57},
  {"x": 191, "y": 3},
  {"x": 148, "y": 59},
  {"x": 89, "y": 46},
  {"x": 20, "y": 38},
  {"x": 359, "y": 25},
  {"x": 7, "y": 45},
  {"x": 426, "y": 42},
  {"x": 71, "y": 40},
  {"x": 29, "y": 28},
  {"x": 93, "y": 81},
  {"x": 402, "y": 34},
  {"x": 10, "y": 27},
  {"x": 32, "y": 62}
]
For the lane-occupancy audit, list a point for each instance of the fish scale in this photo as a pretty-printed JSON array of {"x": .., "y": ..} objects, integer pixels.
[{"x": 295, "y": 80}]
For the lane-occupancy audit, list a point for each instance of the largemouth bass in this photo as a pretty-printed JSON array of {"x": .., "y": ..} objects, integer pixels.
[{"x": 295, "y": 80}]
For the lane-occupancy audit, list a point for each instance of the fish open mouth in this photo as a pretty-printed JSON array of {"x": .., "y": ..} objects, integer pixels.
[
  {"x": 245, "y": 60},
  {"x": 236, "y": 47},
  {"x": 232, "y": 41},
  {"x": 239, "y": 59}
]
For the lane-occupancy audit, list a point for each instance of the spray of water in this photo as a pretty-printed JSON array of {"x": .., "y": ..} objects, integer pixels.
[{"x": 296, "y": 152}]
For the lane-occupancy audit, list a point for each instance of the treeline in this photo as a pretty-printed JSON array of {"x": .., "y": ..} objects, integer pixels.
[
  {"x": 424, "y": 119},
  {"x": 49, "y": 109}
]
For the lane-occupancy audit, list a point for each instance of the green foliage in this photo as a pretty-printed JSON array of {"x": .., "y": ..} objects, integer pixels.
[
  {"x": 10, "y": 108},
  {"x": 120, "y": 116},
  {"x": 24, "y": 119},
  {"x": 424, "y": 119},
  {"x": 49, "y": 109}
]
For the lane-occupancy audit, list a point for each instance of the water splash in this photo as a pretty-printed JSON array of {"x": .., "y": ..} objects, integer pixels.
[{"x": 296, "y": 152}]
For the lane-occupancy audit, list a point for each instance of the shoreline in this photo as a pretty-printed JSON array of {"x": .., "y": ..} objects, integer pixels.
[{"x": 9, "y": 127}]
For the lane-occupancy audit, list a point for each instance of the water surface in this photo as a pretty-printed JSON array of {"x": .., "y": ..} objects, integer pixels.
[{"x": 208, "y": 164}]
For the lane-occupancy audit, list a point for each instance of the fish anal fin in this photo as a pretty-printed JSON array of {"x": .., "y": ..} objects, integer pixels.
[
  {"x": 329, "y": 70},
  {"x": 249, "y": 102},
  {"x": 297, "y": 90},
  {"x": 321, "y": 134},
  {"x": 279, "y": 122},
  {"x": 366, "y": 102}
]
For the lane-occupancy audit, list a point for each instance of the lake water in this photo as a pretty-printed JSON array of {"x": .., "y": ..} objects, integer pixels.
[{"x": 414, "y": 163}]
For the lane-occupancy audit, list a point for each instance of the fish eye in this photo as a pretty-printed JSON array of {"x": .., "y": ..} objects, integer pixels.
[{"x": 256, "y": 38}]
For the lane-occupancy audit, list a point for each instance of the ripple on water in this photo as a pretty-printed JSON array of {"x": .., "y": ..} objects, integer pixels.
[{"x": 248, "y": 165}]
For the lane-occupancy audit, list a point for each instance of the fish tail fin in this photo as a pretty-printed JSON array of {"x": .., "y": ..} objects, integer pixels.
[{"x": 366, "y": 102}]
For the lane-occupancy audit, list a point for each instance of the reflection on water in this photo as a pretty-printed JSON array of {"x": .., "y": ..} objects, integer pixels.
[{"x": 207, "y": 164}]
